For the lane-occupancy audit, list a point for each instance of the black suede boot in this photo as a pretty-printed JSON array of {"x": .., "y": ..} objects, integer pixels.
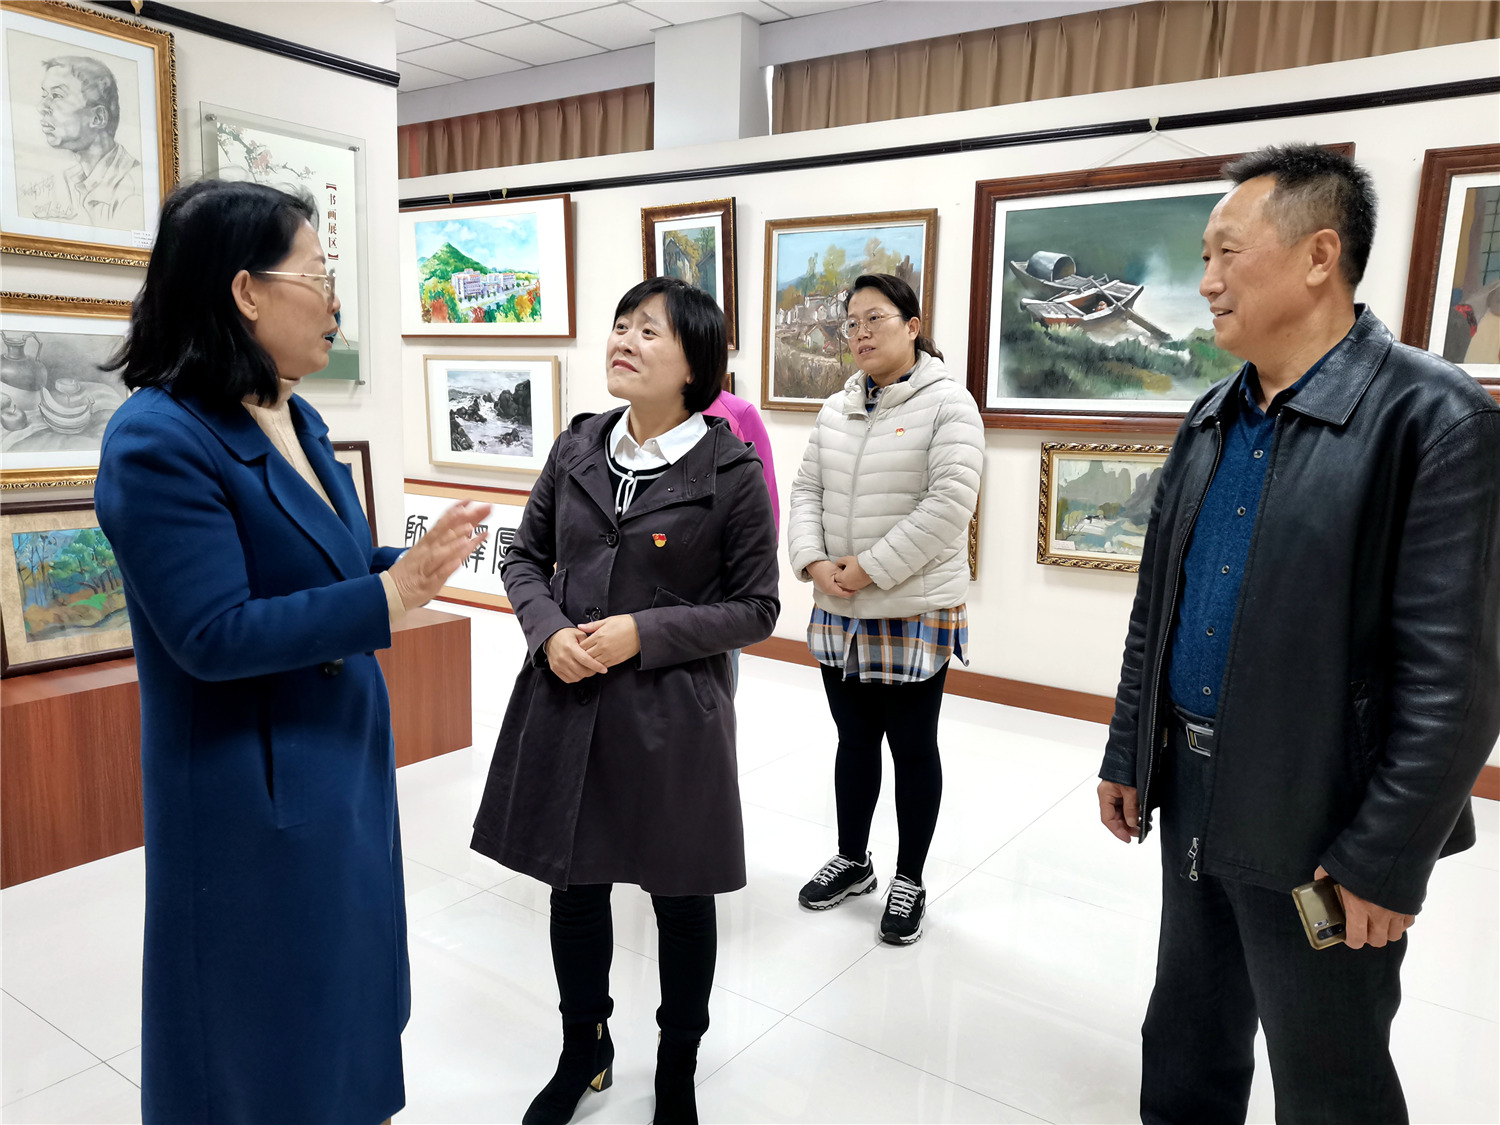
[
  {"x": 587, "y": 1062},
  {"x": 676, "y": 1063}
]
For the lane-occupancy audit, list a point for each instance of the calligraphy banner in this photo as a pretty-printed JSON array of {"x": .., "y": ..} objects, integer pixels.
[{"x": 477, "y": 582}]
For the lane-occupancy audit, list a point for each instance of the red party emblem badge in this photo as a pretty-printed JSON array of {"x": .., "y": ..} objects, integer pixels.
[
  {"x": 659, "y": 539},
  {"x": 900, "y": 430}
]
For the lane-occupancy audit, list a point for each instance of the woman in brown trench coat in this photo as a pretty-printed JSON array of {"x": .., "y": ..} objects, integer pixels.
[{"x": 616, "y": 759}]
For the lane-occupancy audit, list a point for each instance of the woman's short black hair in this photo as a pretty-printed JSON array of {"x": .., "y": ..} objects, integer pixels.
[
  {"x": 699, "y": 324},
  {"x": 186, "y": 332},
  {"x": 903, "y": 296}
]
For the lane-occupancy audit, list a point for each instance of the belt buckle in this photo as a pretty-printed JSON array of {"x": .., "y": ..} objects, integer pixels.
[{"x": 1200, "y": 739}]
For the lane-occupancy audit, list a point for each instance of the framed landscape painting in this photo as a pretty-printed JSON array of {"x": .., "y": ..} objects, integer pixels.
[
  {"x": 488, "y": 269},
  {"x": 1453, "y": 287},
  {"x": 1095, "y": 503},
  {"x": 493, "y": 412},
  {"x": 695, "y": 242},
  {"x": 62, "y": 599},
  {"x": 810, "y": 265},
  {"x": 88, "y": 132},
  {"x": 54, "y": 399},
  {"x": 327, "y": 170},
  {"x": 1084, "y": 305},
  {"x": 477, "y": 582}
]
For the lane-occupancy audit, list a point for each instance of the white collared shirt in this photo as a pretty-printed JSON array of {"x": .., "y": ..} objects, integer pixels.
[{"x": 667, "y": 449}]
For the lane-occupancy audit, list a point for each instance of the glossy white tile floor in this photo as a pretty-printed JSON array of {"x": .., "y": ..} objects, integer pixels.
[{"x": 1021, "y": 1003}]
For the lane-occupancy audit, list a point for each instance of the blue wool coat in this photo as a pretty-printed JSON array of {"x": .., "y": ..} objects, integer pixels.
[{"x": 276, "y": 981}]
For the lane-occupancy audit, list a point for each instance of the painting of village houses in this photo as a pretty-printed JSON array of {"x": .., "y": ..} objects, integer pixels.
[
  {"x": 1095, "y": 503},
  {"x": 1098, "y": 302},
  {"x": 811, "y": 264},
  {"x": 480, "y": 271}
]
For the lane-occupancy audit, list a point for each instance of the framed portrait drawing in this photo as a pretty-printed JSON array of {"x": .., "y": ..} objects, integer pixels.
[
  {"x": 327, "y": 170},
  {"x": 1095, "y": 503},
  {"x": 1453, "y": 287},
  {"x": 492, "y": 411},
  {"x": 62, "y": 600},
  {"x": 54, "y": 399},
  {"x": 1084, "y": 306},
  {"x": 695, "y": 242},
  {"x": 356, "y": 454},
  {"x": 477, "y": 582},
  {"x": 488, "y": 269},
  {"x": 88, "y": 132},
  {"x": 809, "y": 266}
]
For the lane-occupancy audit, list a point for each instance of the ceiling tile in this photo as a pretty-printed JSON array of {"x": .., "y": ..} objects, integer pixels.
[
  {"x": 691, "y": 11},
  {"x": 796, "y": 8},
  {"x": 453, "y": 19},
  {"x": 536, "y": 44},
  {"x": 546, "y": 9},
  {"x": 409, "y": 38},
  {"x": 612, "y": 28},
  {"x": 414, "y": 77},
  {"x": 462, "y": 59}
]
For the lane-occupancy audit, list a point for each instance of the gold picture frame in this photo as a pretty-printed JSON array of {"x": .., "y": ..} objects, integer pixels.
[
  {"x": 135, "y": 183},
  {"x": 715, "y": 215},
  {"x": 1102, "y": 524},
  {"x": 41, "y": 407}
]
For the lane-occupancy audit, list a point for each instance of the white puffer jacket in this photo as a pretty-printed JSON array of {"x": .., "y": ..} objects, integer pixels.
[{"x": 896, "y": 489}]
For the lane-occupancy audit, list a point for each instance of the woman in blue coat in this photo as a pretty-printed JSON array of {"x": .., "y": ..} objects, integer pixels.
[{"x": 276, "y": 983}]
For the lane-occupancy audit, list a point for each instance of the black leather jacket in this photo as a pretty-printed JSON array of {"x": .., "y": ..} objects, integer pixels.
[{"x": 1362, "y": 692}]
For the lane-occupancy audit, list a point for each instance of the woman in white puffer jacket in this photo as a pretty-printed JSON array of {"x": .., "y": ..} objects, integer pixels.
[{"x": 879, "y": 524}]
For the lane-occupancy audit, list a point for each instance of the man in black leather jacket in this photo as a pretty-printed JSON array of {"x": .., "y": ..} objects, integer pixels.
[{"x": 1311, "y": 681}]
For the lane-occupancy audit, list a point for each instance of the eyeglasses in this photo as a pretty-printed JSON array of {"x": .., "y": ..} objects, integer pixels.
[
  {"x": 328, "y": 279},
  {"x": 851, "y": 328}
]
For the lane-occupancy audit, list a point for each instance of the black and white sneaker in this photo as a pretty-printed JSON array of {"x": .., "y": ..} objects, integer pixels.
[
  {"x": 905, "y": 906},
  {"x": 838, "y": 879}
]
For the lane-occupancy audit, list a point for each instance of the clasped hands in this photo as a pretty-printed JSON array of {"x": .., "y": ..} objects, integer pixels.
[
  {"x": 593, "y": 648},
  {"x": 1365, "y": 923},
  {"x": 839, "y": 578}
]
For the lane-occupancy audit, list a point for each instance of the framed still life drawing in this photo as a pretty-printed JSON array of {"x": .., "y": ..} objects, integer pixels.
[
  {"x": 1095, "y": 503},
  {"x": 62, "y": 599},
  {"x": 54, "y": 399},
  {"x": 695, "y": 242},
  {"x": 477, "y": 582},
  {"x": 488, "y": 269},
  {"x": 1453, "y": 288},
  {"x": 88, "y": 132},
  {"x": 810, "y": 265},
  {"x": 327, "y": 170},
  {"x": 493, "y": 411}
]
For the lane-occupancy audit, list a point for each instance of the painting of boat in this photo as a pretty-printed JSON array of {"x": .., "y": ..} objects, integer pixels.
[{"x": 1062, "y": 298}]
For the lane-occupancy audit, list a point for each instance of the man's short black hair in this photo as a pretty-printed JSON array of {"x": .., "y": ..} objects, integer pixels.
[
  {"x": 1316, "y": 189},
  {"x": 186, "y": 332},
  {"x": 699, "y": 324}
]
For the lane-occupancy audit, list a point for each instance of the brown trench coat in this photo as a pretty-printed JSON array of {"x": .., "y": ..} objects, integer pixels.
[{"x": 631, "y": 776}]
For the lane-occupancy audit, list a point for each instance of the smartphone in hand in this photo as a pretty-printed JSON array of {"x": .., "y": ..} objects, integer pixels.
[{"x": 1322, "y": 913}]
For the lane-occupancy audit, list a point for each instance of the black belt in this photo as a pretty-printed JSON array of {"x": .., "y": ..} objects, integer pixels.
[{"x": 1198, "y": 730}]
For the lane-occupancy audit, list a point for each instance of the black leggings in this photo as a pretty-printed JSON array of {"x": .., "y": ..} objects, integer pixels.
[
  {"x": 906, "y": 715},
  {"x": 583, "y": 944}
]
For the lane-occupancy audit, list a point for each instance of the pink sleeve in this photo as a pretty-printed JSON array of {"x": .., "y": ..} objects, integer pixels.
[{"x": 753, "y": 432}]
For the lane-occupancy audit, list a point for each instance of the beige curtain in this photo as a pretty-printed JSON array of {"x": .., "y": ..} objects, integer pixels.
[
  {"x": 1115, "y": 49},
  {"x": 564, "y": 129}
]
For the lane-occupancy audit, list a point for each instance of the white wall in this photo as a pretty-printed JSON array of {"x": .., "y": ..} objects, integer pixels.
[
  {"x": 1043, "y": 624},
  {"x": 211, "y": 70}
]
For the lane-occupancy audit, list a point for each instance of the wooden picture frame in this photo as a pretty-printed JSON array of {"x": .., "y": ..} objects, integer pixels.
[
  {"x": 477, "y": 583},
  {"x": 803, "y": 358},
  {"x": 523, "y": 277},
  {"x": 490, "y": 377},
  {"x": 80, "y": 595},
  {"x": 123, "y": 64},
  {"x": 54, "y": 400},
  {"x": 1454, "y": 180},
  {"x": 715, "y": 216},
  {"x": 1092, "y": 307},
  {"x": 356, "y": 454},
  {"x": 1120, "y": 521}
]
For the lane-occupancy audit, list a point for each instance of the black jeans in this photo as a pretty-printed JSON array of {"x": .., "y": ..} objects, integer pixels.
[
  {"x": 905, "y": 715},
  {"x": 1232, "y": 953},
  {"x": 583, "y": 944}
]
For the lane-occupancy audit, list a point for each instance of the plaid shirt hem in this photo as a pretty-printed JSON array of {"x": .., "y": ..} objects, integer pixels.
[{"x": 889, "y": 650}]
